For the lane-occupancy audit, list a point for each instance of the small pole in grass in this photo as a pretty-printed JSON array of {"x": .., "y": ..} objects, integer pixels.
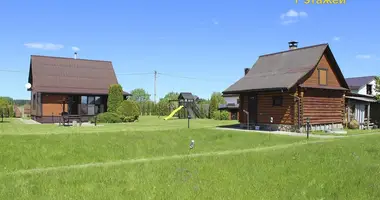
[
  {"x": 95, "y": 119},
  {"x": 188, "y": 120},
  {"x": 307, "y": 127}
]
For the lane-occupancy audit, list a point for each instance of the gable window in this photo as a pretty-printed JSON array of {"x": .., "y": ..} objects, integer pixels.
[
  {"x": 369, "y": 89},
  {"x": 322, "y": 76},
  {"x": 277, "y": 101}
]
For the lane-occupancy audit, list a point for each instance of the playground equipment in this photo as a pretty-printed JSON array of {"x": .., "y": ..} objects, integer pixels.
[
  {"x": 172, "y": 114},
  {"x": 188, "y": 100}
]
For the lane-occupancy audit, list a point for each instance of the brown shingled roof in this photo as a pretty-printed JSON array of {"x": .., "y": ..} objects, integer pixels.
[
  {"x": 68, "y": 75},
  {"x": 280, "y": 70}
]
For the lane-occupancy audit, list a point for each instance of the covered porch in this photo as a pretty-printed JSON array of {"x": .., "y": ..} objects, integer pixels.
[{"x": 358, "y": 107}]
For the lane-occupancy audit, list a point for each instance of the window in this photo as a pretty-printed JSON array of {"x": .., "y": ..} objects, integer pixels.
[
  {"x": 98, "y": 100},
  {"x": 238, "y": 101},
  {"x": 369, "y": 89},
  {"x": 322, "y": 76},
  {"x": 91, "y": 100},
  {"x": 34, "y": 105},
  {"x": 91, "y": 105},
  {"x": 277, "y": 101},
  {"x": 84, "y": 100}
]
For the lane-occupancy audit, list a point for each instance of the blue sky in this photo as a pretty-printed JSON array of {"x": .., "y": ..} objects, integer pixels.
[{"x": 212, "y": 41}]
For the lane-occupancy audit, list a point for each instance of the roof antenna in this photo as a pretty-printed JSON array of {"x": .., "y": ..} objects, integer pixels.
[{"x": 75, "y": 55}]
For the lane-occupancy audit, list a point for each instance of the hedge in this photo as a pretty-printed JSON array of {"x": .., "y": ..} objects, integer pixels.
[{"x": 129, "y": 111}]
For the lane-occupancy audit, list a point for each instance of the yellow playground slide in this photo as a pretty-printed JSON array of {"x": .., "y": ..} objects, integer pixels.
[{"x": 174, "y": 111}]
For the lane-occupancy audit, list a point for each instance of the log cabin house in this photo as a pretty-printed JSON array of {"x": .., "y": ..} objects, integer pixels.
[
  {"x": 76, "y": 86},
  {"x": 282, "y": 90}
]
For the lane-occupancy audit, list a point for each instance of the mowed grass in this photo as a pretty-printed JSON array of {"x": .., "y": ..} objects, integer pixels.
[
  {"x": 346, "y": 168},
  {"x": 146, "y": 123}
]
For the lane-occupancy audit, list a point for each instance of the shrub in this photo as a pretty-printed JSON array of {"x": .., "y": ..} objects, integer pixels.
[
  {"x": 107, "y": 117},
  {"x": 224, "y": 115},
  {"x": 115, "y": 97},
  {"x": 129, "y": 110},
  {"x": 354, "y": 124},
  {"x": 216, "y": 115}
]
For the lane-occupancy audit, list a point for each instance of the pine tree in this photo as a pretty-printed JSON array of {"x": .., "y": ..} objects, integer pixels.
[{"x": 115, "y": 97}]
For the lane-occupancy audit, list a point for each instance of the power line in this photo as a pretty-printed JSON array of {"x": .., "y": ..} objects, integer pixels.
[
  {"x": 143, "y": 73},
  {"x": 186, "y": 77},
  {"x": 9, "y": 70}
]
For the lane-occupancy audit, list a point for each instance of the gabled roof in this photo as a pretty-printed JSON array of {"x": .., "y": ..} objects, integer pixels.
[
  {"x": 69, "y": 75},
  {"x": 185, "y": 95},
  {"x": 357, "y": 82},
  {"x": 282, "y": 70}
]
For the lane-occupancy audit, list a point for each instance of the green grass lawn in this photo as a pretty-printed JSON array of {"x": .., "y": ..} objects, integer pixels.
[
  {"x": 349, "y": 132},
  {"x": 150, "y": 159}
]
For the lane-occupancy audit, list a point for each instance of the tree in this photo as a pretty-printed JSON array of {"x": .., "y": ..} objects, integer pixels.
[
  {"x": 139, "y": 95},
  {"x": 129, "y": 110},
  {"x": 377, "y": 88},
  {"x": 163, "y": 108},
  {"x": 6, "y": 106},
  {"x": 216, "y": 99},
  {"x": 171, "y": 96},
  {"x": 115, "y": 97}
]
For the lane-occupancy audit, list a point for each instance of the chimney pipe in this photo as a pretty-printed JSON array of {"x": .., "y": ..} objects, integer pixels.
[
  {"x": 75, "y": 55},
  {"x": 246, "y": 70},
  {"x": 293, "y": 45}
]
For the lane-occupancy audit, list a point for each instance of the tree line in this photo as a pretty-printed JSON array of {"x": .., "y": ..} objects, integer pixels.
[{"x": 169, "y": 102}]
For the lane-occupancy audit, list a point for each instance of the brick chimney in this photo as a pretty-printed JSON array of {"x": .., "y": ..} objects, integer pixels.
[
  {"x": 293, "y": 45},
  {"x": 246, "y": 70}
]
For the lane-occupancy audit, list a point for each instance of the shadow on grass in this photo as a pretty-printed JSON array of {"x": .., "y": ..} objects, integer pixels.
[
  {"x": 234, "y": 126},
  {"x": 4, "y": 122}
]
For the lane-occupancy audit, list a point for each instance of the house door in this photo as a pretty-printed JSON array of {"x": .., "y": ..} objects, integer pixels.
[{"x": 252, "y": 109}]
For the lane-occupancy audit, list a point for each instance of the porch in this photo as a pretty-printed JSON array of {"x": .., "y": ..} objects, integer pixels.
[
  {"x": 359, "y": 108},
  {"x": 48, "y": 108}
]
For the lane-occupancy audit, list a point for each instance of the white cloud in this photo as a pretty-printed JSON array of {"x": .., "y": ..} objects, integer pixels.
[
  {"x": 292, "y": 16},
  {"x": 75, "y": 48},
  {"x": 215, "y": 22},
  {"x": 44, "y": 46},
  {"x": 336, "y": 38},
  {"x": 303, "y": 14},
  {"x": 363, "y": 56}
]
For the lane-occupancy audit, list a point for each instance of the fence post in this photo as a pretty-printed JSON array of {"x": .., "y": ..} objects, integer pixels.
[{"x": 307, "y": 127}]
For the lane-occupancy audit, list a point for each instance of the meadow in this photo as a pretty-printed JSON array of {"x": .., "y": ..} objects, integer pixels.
[{"x": 150, "y": 159}]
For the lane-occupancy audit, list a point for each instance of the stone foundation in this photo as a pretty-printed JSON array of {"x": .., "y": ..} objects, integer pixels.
[
  {"x": 322, "y": 127},
  {"x": 293, "y": 128},
  {"x": 272, "y": 127}
]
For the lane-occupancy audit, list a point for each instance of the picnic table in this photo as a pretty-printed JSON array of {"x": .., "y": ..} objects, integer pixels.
[{"x": 66, "y": 118}]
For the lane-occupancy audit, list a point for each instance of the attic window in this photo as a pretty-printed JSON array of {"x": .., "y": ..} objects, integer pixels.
[
  {"x": 277, "y": 101},
  {"x": 369, "y": 89},
  {"x": 322, "y": 76}
]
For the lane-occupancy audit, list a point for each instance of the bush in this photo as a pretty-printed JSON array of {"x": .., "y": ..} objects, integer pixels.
[
  {"x": 224, "y": 115},
  {"x": 216, "y": 115},
  {"x": 354, "y": 124},
  {"x": 129, "y": 111},
  {"x": 107, "y": 117},
  {"x": 115, "y": 97}
]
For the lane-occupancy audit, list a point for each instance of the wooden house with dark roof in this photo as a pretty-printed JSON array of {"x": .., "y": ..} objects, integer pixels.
[
  {"x": 282, "y": 90},
  {"x": 76, "y": 86}
]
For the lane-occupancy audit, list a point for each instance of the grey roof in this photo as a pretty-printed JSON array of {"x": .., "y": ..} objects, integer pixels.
[
  {"x": 185, "y": 95},
  {"x": 280, "y": 70},
  {"x": 365, "y": 99},
  {"x": 357, "y": 82}
]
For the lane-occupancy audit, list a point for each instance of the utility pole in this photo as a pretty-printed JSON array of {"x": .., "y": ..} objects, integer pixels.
[{"x": 155, "y": 85}]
